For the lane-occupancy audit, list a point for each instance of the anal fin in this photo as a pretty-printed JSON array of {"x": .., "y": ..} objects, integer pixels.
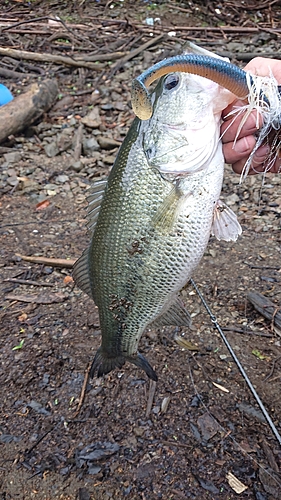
[
  {"x": 80, "y": 273},
  {"x": 225, "y": 225},
  {"x": 176, "y": 315}
]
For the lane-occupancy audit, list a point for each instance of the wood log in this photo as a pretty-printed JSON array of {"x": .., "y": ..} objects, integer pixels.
[
  {"x": 27, "y": 107},
  {"x": 265, "y": 307}
]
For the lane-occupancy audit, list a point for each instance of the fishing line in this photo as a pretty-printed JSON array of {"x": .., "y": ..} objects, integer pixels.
[{"x": 244, "y": 374}]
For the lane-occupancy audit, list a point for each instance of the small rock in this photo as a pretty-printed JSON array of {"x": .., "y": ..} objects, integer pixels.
[
  {"x": 90, "y": 145},
  {"x": 232, "y": 199},
  {"x": 120, "y": 106},
  {"x": 109, "y": 159},
  {"x": 12, "y": 157},
  {"x": 50, "y": 186},
  {"x": 62, "y": 178},
  {"x": 11, "y": 172},
  {"x": 92, "y": 119},
  {"x": 108, "y": 143},
  {"x": 139, "y": 431},
  {"x": 64, "y": 139},
  {"x": 28, "y": 185},
  {"x": 77, "y": 166},
  {"x": 107, "y": 107},
  {"x": 72, "y": 121},
  {"x": 51, "y": 149},
  {"x": 13, "y": 181}
]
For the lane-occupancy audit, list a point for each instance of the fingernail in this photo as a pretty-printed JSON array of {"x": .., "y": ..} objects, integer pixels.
[
  {"x": 262, "y": 151},
  {"x": 242, "y": 146}
]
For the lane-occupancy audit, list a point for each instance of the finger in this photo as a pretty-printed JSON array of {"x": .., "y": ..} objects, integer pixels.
[
  {"x": 257, "y": 164},
  {"x": 233, "y": 105},
  {"x": 229, "y": 130},
  {"x": 240, "y": 150}
]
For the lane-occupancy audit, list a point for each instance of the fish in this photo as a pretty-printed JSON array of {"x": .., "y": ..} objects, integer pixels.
[{"x": 151, "y": 220}]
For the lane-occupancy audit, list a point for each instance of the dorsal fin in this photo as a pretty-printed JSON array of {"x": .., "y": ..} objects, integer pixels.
[
  {"x": 94, "y": 202},
  {"x": 80, "y": 273}
]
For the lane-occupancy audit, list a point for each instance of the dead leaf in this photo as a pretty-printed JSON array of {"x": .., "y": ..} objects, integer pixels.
[
  {"x": 208, "y": 426},
  {"x": 22, "y": 317},
  {"x": 42, "y": 205},
  {"x": 186, "y": 344},
  {"x": 68, "y": 279},
  {"x": 235, "y": 484},
  {"x": 220, "y": 387}
]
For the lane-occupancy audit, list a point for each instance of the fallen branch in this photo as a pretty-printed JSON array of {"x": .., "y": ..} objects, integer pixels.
[
  {"x": 9, "y": 73},
  {"x": 53, "y": 58},
  {"x": 83, "y": 390},
  {"x": 151, "y": 392},
  {"x": 48, "y": 261},
  {"x": 265, "y": 307},
  {"x": 27, "y": 107},
  {"x": 27, "y": 282},
  {"x": 248, "y": 56},
  {"x": 51, "y": 298},
  {"x": 137, "y": 51}
]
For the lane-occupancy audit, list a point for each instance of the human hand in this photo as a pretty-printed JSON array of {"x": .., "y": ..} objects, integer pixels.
[{"x": 238, "y": 153}]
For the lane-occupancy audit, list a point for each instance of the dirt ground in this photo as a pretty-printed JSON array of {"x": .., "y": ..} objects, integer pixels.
[{"x": 187, "y": 436}]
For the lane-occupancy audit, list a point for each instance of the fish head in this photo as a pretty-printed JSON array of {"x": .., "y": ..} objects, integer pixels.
[{"x": 182, "y": 135}]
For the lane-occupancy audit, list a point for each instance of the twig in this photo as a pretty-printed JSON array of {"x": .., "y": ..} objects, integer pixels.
[
  {"x": 104, "y": 57},
  {"x": 27, "y": 282},
  {"x": 53, "y": 58},
  {"x": 247, "y": 56},
  {"x": 48, "y": 261},
  {"x": 177, "y": 444},
  {"x": 83, "y": 390},
  {"x": 246, "y": 331},
  {"x": 137, "y": 51},
  {"x": 253, "y": 266},
  {"x": 151, "y": 392},
  {"x": 270, "y": 456},
  {"x": 272, "y": 368},
  {"x": 27, "y": 452},
  {"x": 28, "y": 21},
  {"x": 244, "y": 374}
]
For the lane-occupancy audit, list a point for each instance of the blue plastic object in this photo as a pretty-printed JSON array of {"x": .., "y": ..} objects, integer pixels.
[{"x": 5, "y": 95}]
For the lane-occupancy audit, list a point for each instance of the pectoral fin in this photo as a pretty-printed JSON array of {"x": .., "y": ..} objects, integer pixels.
[
  {"x": 169, "y": 209},
  {"x": 225, "y": 225}
]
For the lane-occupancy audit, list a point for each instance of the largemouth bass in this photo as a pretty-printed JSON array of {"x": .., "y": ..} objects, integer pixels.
[{"x": 151, "y": 221}]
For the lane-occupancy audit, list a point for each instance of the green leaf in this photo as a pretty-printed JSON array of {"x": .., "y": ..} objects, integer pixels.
[{"x": 19, "y": 346}]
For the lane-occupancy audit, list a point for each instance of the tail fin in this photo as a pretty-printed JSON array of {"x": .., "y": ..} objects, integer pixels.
[{"x": 105, "y": 364}]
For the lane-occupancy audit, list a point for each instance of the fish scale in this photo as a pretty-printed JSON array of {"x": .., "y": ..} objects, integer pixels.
[{"x": 153, "y": 224}]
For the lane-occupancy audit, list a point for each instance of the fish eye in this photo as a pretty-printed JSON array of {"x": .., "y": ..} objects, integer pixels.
[{"x": 171, "y": 81}]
